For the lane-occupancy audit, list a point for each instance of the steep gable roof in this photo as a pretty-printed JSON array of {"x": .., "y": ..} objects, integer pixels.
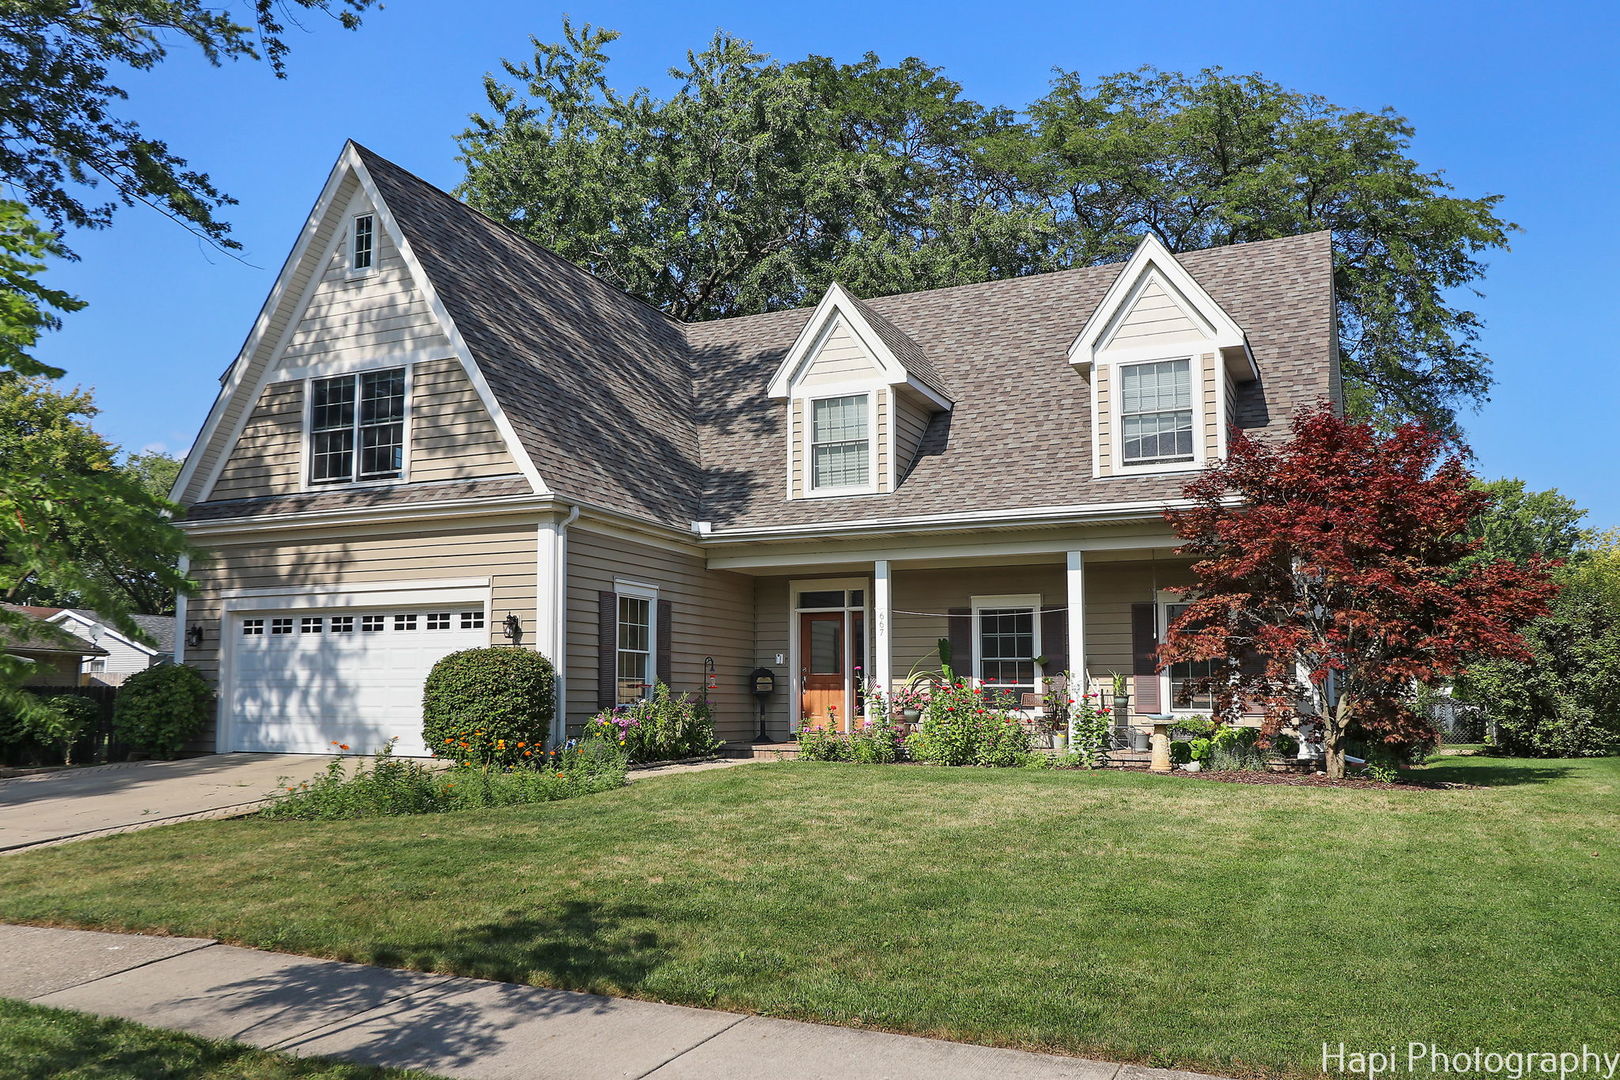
[{"x": 595, "y": 383}]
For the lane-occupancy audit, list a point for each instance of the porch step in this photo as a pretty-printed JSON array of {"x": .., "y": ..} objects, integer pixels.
[
  {"x": 760, "y": 751},
  {"x": 1130, "y": 759}
]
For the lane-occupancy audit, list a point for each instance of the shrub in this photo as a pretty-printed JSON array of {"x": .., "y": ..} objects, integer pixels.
[
  {"x": 664, "y": 727},
  {"x": 62, "y": 720},
  {"x": 500, "y": 694},
  {"x": 393, "y": 786},
  {"x": 159, "y": 710},
  {"x": 1285, "y": 745},
  {"x": 965, "y": 725},
  {"x": 819, "y": 744},
  {"x": 876, "y": 742}
]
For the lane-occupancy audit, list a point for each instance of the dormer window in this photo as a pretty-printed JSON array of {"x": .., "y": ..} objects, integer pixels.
[
  {"x": 841, "y": 443},
  {"x": 357, "y": 427},
  {"x": 1156, "y": 412},
  {"x": 362, "y": 241}
]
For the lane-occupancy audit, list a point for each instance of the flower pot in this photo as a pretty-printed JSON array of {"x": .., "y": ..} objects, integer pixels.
[
  {"x": 1194, "y": 766},
  {"x": 1060, "y": 742},
  {"x": 1141, "y": 740},
  {"x": 910, "y": 715}
]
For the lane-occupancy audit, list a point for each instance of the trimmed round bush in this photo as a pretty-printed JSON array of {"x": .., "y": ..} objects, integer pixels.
[
  {"x": 159, "y": 710},
  {"x": 491, "y": 699}
]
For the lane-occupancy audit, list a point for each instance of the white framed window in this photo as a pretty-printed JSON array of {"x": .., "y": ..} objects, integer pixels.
[
  {"x": 438, "y": 620},
  {"x": 252, "y": 627},
  {"x": 840, "y": 444},
  {"x": 281, "y": 626},
  {"x": 310, "y": 624},
  {"x": 373, "y": 624},
  {"x": 362, "y": 243},
  {"x": 343, "y": 624},
  {"x": 1157, "y": 425},
  {"x": 98, "y": 665},
  {"x": 472, "y": 620},
  {"x": 636, "y": 629},
  {"x": 357, "y": 427},
  {"x": 1007, "y": 642},
  {"x": 1176, "y": 678}
]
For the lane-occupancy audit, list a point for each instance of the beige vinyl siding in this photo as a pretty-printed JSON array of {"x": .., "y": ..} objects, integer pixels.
[
  {"x": 452, "y": 434},
  {"x": 841, "y": 358},
  {"x": 364, "y": 317},
  {"x": 52, "y": 669},
  {"x": 1211, "y": 372},
  {"x": 1111, "y": 589},
  {"x": 800, "y": 409},
  {"x": 712, "y": 615},
  {"x": 910, "y": 423},
  {"x": 1155, "y": 319},
  {"x": 1103, "y": 417},
  {"x": 500, "y": 549},
  {"x": 916, "y": 637},
  {"x": 267, "y": 458},
  {"x": 771, "y": 637},
  {"x": 880, "y": 402},
  {"x": 276, "y": 324}
]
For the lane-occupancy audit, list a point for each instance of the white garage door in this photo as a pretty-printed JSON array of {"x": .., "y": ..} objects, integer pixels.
[{"x": 302, "y": 680}]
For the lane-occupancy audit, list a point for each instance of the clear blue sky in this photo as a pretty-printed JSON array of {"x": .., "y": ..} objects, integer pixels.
[{"x": 1519, "y": 99}]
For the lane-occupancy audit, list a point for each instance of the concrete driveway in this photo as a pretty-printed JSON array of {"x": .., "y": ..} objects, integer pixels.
[{"x": 77, "y": 803}]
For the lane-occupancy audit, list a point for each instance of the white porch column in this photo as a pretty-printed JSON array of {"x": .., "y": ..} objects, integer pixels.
[
  {"x": 883, "y": 652},
  {"x": 1075, "y": 579}
]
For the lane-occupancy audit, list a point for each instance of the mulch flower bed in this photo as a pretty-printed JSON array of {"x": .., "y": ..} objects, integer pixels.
[{"x": 1251, "y": 776}]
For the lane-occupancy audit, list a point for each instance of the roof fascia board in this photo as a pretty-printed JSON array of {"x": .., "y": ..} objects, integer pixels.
[
  {"x": 1152, "y": 257},
  {"x": 235, "y": 375},
  {"x": 458, "y": 345},
  {"x": 65, "y": 615},
  {"x": 836, "y": 303}
]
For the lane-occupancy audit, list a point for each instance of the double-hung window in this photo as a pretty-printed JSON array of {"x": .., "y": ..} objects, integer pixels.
[
  {"x": 840, "y": 442},
  {"x": 636, "y": 633},
  {"x": 1156, "y": 412},
  {"x": 357, "y": 427},
  {"x": 1007, "y": 642},
  {"x": 362, "y": 243},
  {"x": 1185, "y": 675}
]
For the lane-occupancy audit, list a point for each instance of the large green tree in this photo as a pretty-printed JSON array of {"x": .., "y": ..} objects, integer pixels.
[
  {"x": 1520, "y": 524},
  {"x": 757, "y": 182}
]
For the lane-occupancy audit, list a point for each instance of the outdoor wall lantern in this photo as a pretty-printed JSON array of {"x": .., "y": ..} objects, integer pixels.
[
  {"x": 512, "y": 628},
  {"x": 194, "y": 635}
]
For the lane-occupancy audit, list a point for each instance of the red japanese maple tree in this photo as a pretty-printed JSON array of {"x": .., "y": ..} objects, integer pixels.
[{"x": 1331, "y": 577}]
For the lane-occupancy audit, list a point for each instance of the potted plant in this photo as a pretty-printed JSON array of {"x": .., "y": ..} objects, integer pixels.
[{"x": 1284, "y": 756}]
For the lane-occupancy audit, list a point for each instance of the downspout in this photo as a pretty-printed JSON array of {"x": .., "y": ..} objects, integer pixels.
[{"x": 559, "y": 631}]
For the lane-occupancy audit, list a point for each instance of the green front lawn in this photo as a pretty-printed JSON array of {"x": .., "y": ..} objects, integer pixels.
[
  {"x": 50, "y": 1044},
  {"x": 1124, "y": 916}
]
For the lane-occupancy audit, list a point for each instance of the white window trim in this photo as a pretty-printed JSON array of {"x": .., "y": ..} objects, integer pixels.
[
  {"x": 638, "y": 591},
  {"x": 1164, "y": 601},
  {"x": 306, "y": 484},
  {"x": 807, "y": 445},
  {"x": 349, "y": 269},
  {"x": 1116, "y": 407},
  {"x": 1030, "y": 601}
]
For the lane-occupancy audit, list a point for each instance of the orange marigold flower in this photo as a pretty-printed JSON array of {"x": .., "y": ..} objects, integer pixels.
[
  {"x": 343, "y": 746},
  {"x": 528, "y": 753}
]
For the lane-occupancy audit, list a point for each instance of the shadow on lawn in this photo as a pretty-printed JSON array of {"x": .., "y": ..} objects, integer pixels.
[
  {"x": 1499, "y": 774},
  {"x": 582, "y": 945}
]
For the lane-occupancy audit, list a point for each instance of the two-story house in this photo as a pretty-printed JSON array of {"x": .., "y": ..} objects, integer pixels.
[{"x": 440, "y": 435}]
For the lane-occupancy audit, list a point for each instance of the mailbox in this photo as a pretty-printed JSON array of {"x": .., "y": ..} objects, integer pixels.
[{"x": 763, "y": 681}]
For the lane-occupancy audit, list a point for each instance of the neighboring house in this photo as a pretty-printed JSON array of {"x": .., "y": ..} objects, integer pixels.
[
  {"x": 124, "y": 655},
  {"x": 57, "y": 655},
  {"x": 437, "y": 430}
]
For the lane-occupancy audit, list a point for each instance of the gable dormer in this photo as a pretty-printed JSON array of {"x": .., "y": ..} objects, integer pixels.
[
  {"x": 1163, "y": 359},
  {"x": 859, "y": 395}
]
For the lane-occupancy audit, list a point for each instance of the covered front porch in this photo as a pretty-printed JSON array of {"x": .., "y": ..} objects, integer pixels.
[{"x": 1025, "y": 615}]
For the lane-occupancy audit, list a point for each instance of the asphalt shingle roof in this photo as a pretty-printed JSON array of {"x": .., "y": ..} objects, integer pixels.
[{"x": 623, "y": 407}]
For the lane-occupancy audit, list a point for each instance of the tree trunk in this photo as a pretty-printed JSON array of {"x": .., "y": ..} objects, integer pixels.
[{"x": 1337, "y": 723}]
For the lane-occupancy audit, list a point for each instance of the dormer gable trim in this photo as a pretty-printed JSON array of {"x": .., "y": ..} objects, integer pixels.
[
  {"x": 837, "y": 306},
  {"x": 255, "y": 363},
  {"x": 1150, "y": 262}
]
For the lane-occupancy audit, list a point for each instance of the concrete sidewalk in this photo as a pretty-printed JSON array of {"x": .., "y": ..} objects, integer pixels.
[{"x": 472, "y": 1028}]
